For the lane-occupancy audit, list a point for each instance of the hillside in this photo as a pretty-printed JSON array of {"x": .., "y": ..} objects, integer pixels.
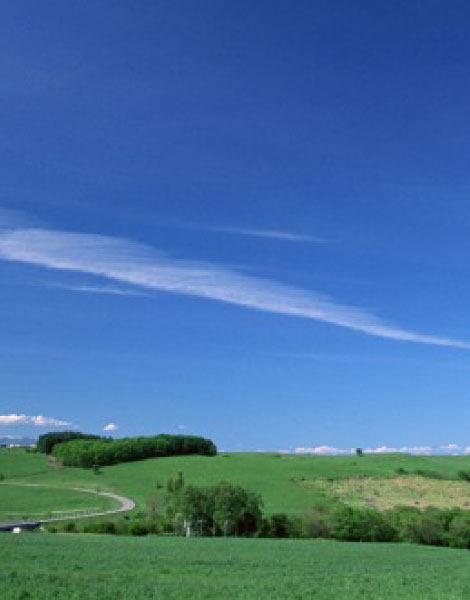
[{"x": 287, "y": 483}]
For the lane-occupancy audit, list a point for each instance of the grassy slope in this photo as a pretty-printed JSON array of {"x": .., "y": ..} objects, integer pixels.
[
  {"x": 280, "y": 479},
  {"x": 17, "y": 502},
  {"x": 89, "y": 567}
]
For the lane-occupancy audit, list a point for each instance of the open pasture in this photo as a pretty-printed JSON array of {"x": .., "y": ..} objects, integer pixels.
[
  {"x": 85, "y": 567},
  {"x": 287, "y": 483},
  {"x": 37, "y": 502}
]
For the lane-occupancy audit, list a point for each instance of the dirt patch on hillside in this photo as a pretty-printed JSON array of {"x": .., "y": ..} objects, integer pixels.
[{"x": 401, "y": 491}]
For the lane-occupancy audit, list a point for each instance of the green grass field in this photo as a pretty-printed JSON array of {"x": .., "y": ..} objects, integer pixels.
[
  {"x": 37, "y": 502},
  {"x": 46, "y": 566},
  {"x": 76, "y": 566},
  {"x": 284, "y": 481}
]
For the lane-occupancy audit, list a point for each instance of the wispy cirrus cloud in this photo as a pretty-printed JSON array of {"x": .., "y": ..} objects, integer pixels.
[
  {"x": 96, "y": 289},
  {"x": 142, "y": 266},
  {"x": 37, "y": 421},
  {"x": 283, "y": 236}
]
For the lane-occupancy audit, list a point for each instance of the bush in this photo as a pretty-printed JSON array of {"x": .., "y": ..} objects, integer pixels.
[
  {"x": 107, "y": 527},
  {"x": 276, "y": 526},
  {"x": 428, "y": 526},
  {"x": 459, "y": 531},
  {"x": 361, "y": 525},
  {"x": 464, "y": 475},
  {"x": 138, "y": 528},
  {"x": 70, "y": 527}
]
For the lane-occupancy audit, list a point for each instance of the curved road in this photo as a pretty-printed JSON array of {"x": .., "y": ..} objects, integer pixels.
[{"x": 126, "y": 504}]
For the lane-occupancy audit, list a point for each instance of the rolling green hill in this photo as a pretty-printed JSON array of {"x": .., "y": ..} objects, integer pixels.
[{"x": 287, "y": 483}]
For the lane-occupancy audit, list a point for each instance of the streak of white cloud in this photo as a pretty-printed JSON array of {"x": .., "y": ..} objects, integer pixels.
[
  {"x": 141, "y": 265},
  {"x": 285, "y": 236},
  {"x": 95, "y": 289},
  {"x": 37, "y": 421},
  {"x": 110, "y": 427}
]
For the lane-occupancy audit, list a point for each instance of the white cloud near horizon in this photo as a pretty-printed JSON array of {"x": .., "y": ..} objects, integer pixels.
[
  {"x": 323, "y": 450},
  {"x": 451, "y": 448},
  {"x": 142, "y": 266},
  {"x": 37, "y": 421},
  {"x": 110, "y": 427},
  {"x": 331, "y": 450}
]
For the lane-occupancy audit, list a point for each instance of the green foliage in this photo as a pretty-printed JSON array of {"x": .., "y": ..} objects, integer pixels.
[
  {"x": 428, "y": 473},
  {"x": 47, "y": 441},
  {"x": 279, "y": 525},
  {"x": 459, "y": 531},
  {"x": 88, "y": 453},
  {"x": 464, "y": 475},
  {"x": 223, "y": 509}
]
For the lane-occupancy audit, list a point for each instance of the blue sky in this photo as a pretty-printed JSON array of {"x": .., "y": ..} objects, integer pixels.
[{"x": 247, "y": 220}]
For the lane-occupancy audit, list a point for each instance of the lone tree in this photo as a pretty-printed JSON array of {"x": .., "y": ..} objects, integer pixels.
[{"x": 359, "y": 452}]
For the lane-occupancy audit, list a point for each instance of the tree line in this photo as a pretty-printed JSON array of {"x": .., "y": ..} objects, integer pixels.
[
  {"x": 47, "y": 441},
  {"x": 82, "y": 452}
]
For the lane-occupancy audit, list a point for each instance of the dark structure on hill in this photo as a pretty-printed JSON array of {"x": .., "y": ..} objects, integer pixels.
[{"x": 23, "y": 525}]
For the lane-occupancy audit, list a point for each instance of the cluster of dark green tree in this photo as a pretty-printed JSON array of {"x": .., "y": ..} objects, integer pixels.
[
  {"x": 89, "y": 453},
  {"x": 432, "y": 526},
  {"x": 47, "y": 441},
  {"x": 222, "y": 509}
]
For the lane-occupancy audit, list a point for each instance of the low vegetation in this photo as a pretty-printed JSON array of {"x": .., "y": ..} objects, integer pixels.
[
  {"x": 124, "y": 568},
  {"x": 416, "y": 491}
]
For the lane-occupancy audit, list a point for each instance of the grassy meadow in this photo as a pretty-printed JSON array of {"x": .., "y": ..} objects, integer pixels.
[
  {"x": 287, "y": 483},
  {"x": 37, "y": 502},
  {"x": 85, "y": 567}
]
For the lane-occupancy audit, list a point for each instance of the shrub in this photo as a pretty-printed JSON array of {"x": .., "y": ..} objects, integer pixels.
[
  {"x": 70, "y": 527},
  {"x": 417, "y": 526},
  {"x": 464, "y": 475},
  {"x": 360, "y": 525},
  {"x": 459, "y": 531},
  {"x": 276, "y": 526},
  {"x": 138, "y": 528}
]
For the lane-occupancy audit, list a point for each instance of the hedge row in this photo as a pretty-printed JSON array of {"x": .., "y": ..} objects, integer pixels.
[{"x": 89, "y": 453}]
